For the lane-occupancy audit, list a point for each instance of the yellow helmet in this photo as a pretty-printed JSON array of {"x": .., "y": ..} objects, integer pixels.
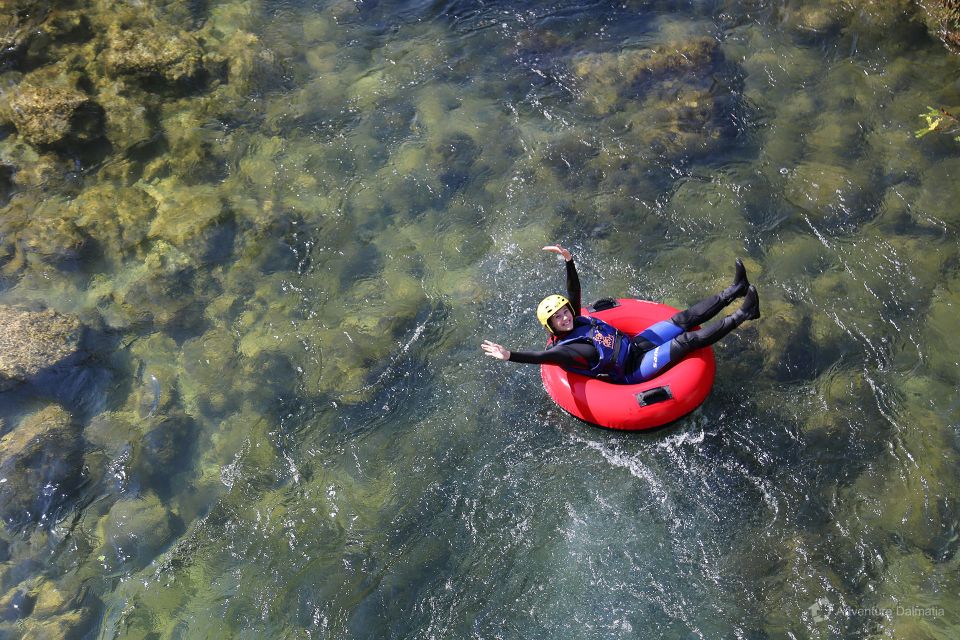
[{"x": 549, "y": 306}]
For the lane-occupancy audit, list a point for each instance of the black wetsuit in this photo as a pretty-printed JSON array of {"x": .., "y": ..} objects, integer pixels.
[{"x": 583, "y": 355}]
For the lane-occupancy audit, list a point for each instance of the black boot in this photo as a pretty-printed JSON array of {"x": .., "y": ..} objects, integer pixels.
[
  {"x": 750, "y": 309},
  {"x": 740, "y": 283},
  {"x": 709, "y": 307}
]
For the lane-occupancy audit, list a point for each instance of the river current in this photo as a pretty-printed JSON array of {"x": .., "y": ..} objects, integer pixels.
[{"x": 298, "y": 435}]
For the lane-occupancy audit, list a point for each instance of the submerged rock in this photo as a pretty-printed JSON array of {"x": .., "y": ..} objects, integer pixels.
[
  {"x": 609, "y": 78},
  {"x": 16, "y": 604},
  {"x": 46, "y": 234},
  {"x": 71, "y": 624},
  {"x": 50, "y": 115},
  {"x": 136, "y": 529},
  {"x": 155, "y": 52},
  {"x": 33, "y": 341},
  {"x": 127, "y": 114},
  {"x": 39, "y": 462},
  {"x": 27, "y": 167},
  {"x": 117, "y": 217}
]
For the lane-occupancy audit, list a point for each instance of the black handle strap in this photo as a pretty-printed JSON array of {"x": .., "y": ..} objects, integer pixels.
[{"x": 653, "y": 396}]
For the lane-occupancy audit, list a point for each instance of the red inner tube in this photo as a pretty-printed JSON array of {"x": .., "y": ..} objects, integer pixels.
[{"x": 646, "y": 405}]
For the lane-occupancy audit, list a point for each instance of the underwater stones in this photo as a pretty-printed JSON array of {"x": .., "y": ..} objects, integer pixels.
[
  {"x": 70, "y": 624},
  {"x": 248, "y": 63},
  {"x": 943, "y": 323},
  {"x": 112, "y": 432},
  {"x": 269, "y": 330},
  {"x": 159, "y": 51},
  {"x": 209, "y": 379},
  {"x": 135, "y": 530},
  {"x": 940, "y": 190},
  {"x": 789, "y": 351},
  {"x": 16, "y": 604},
  {"x": 322, "y": 58},
  {"x": 454, "y": 155},
  {"x": 32, "y": 34},
  {"x": 127, "y": 118},
  {"x": 48, "y": 235},
  {"x": 39, "y": 460},
  {"x": 50, "y": 600},
  {"x": 152, "y": 290},
  {"x": 836, "y": 137},
  {"x": 16, "y": 28},
  {"x": 50, "y": 115},
  {"x": 568, "y": 156},
  {"x": 318, "y": 29},
  {"x": 155, "y": 380},
  {"x": 610, "y": 77},
  {"x": 797, "y": 256},
  {"x": 713, "y": 205},
  {"x": 29, "y": 167},
  {"x": 815, "y": 17},
  {"x": 227, "y": 18},
  {"x": 33, "y": 341},
  {"x": 164, "y": 449},
  {"x": 627, "y": 65},
  {"x": 360, "y": 342},
  {"x": 119, "y": 218},
  {"x": 826, "y": 191},
  {"x": 183, "y": 212}
]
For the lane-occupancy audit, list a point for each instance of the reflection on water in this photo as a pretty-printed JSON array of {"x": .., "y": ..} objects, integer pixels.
[{"x": 287, "y": 428}]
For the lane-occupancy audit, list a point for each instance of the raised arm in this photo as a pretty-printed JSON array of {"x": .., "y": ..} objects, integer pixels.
[{"x": 573, "y": 281}]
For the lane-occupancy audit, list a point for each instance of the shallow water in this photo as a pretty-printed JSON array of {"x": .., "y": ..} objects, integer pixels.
[{"x": 301, "y": 438}]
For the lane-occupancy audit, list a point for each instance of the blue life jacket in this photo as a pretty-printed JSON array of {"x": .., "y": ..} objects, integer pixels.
[{"x": 612, "y": 346}]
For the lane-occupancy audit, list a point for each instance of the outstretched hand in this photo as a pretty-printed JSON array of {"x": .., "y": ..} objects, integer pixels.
[
  {"x": 494, "y": 350},
  {"x": 555, "y": 248}
]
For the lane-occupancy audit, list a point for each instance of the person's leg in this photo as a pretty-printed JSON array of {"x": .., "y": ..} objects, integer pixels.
[
  {"x": 691, "y": 340},
  {"x": 709, "y": 307},
  {"x": 655, "y": 335},
  {"x": 659, "y": 358}
]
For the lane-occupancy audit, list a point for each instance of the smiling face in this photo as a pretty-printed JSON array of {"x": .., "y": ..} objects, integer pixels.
[{"x": 562, "y": 320}]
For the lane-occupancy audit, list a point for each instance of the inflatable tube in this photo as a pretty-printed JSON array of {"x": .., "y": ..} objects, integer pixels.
[{"x": 668, "y": 397}]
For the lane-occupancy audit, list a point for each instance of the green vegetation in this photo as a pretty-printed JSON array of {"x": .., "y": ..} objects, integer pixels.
[{"x": 941, "y": 121}]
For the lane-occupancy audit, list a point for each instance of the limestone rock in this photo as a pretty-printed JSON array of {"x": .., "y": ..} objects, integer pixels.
[
  {"x": 49, "y": 115},
  {"x": 32, "y": 341}
]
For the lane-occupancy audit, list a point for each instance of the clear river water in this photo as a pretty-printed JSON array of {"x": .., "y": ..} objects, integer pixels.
[{"x": 296, "y": 434}]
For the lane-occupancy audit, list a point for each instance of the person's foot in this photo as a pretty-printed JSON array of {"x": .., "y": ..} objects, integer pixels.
[
  {"x": 750, "y": 309},
  {"x": 740, "y": 282}
]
